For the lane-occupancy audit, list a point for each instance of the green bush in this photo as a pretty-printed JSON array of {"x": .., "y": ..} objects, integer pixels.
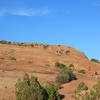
[
  {"x": 9, "y": 42},
  {"x": 82, "y": 71},
  {"x": 52, "y": 92},
  {"x": 45, "y": 46},
  {"x": 30, "y": 89},
  {"x": 32, "y": 45},
  {"x": 3, "y": 42},
  {"x": 20, "y": 44},
  {"x": 72, "y": 66},
  {"x": 93, "y": 94},
  {"x": 95, "y": 60},
  {"x": 67, "y": 51},
  {"x": 65, "y": 76},
  {"x": 82, "y": 86},
  {"x": 13, "y": 58},
  {"x": 36, "y": 44},
  {"x": 59, "y": 65}
]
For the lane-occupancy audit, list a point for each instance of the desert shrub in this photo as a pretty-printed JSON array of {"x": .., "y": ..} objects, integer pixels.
[
  {"x": 82, "y": 86},
  {"x": 72, "y": 66},
  {"x": 93, "y": 94},
  {"x": 3, "y": 42},
  {"x": 20, "y": 44},
  {"x": 95, "y": 60},
  {"x": 59, "y": 45},
  {"x": 5, "y": 87},
  {"x": 31, "y": 89},
  {"x": 59, "y": 65},
  {"x": 45, "y": 46},
  {"x": 2, "y": 58},
  {"x": 36, "y": 44},
  {"x": 13, "y": 58},
  {"x": 65, "y": 76},
  {"x": 52, "y": 92},
  {"x": 32, "y": 45},
  {"x": 67, "y": 51},
  {"x": 9, "y": 42},
  {"x": 82, "y": 71},
  {"x": 1, "y": 63}
]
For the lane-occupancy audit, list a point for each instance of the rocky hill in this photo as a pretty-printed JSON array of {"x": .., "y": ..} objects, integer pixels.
[{"x": 39, "y": 60}]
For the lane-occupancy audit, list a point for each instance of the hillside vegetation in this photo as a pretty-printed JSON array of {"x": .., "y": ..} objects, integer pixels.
[{"x": 56, "y": 65}]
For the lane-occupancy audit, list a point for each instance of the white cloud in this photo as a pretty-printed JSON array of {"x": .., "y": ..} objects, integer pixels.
[{"x": 25, "y": 12}]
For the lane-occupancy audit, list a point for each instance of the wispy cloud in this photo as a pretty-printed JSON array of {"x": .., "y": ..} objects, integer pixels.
[{"x": 25, "y": 12}]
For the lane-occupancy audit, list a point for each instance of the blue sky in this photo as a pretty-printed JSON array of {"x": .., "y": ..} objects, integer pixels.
[{"x": 74, "y": 23}]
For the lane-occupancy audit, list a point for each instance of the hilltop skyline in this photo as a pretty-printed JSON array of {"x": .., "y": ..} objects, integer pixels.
[{"x": 71, "y": 23}]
